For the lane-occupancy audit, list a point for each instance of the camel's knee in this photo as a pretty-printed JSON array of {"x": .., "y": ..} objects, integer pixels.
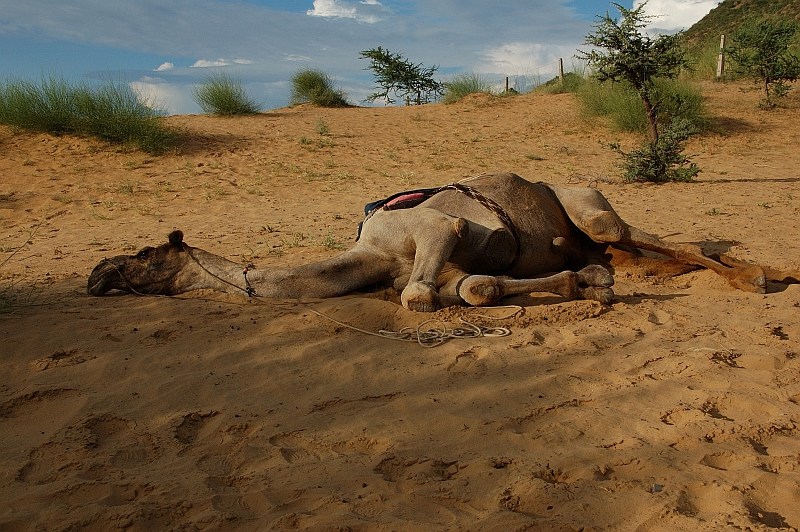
[
  {"x": 603, "y": 226},
  {"x": 460, "y": 227}
]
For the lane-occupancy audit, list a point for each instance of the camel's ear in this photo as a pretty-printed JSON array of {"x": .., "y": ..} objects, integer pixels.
[{"x": 176, "y": 237}]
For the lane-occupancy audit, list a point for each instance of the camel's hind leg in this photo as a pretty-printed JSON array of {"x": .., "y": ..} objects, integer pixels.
[
  {"x": 430, "y": 237},
  {"x": 591, "y": 212},
  {"x": 592, "y": 282}
]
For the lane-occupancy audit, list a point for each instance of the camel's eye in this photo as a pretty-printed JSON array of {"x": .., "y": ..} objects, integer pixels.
[{"x": 143, "y": 254}]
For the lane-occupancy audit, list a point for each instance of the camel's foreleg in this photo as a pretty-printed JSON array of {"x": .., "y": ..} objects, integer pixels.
[
  {"x": 592, "y": 282},
  {"x": 747, "y": 277}
]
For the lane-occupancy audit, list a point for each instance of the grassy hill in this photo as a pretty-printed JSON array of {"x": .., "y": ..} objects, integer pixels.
[{"x": 729, "y": 15}]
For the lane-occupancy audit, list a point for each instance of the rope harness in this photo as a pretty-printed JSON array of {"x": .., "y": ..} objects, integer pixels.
[
  {"x": 248, "y": 288},
  {"x": 431, "y": 337}
]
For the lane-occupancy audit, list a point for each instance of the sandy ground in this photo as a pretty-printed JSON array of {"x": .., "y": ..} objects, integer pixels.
[{"x": 676, "y": 408}]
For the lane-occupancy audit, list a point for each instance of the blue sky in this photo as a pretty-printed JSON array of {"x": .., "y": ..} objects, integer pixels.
[{"x": 163, "y": 49}]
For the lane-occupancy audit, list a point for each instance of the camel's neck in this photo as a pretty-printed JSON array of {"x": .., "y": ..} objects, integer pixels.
[
  {"x": 326, "y": 278},
  {"x": 219, "y": 273}
]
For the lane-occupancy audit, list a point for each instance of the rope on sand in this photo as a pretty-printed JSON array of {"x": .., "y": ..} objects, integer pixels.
[{"x": 431, "y": 337}]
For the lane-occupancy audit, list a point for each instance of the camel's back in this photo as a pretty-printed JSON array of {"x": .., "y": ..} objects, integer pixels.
[{"x": 535, "y": 211}]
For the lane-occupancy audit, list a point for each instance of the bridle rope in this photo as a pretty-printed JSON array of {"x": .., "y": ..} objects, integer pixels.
[{"x": 248, "y": 288}]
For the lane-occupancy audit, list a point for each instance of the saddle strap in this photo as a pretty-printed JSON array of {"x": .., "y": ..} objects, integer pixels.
[{"x": 494, "y": 208}]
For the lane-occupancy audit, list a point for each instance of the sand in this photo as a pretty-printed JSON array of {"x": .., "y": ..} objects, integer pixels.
[{"x": 675, "y": 408}]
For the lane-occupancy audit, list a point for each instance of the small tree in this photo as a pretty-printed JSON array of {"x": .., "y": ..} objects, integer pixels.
[
  {"x": 625, "y": 54},
  {"x": 396, "y": 75},
  {"x": 760, "y": 50}
]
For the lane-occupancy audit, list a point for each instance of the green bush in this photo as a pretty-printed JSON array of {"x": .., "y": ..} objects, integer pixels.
[
  {"x": 675, "y": 99},
  {"x": 111, "y": 112},
  {"x": 704, "y": 62},
  {"x": 465, "y": 84},
  {"x": 663, "y": 160},
  {"x": 317, "y": 88},
  {"x": 223, "y": 95},
  {"x": 617, "y": 101},
  {"x": 761, "y": 50}
]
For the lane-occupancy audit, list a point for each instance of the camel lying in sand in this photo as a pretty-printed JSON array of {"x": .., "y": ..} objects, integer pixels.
[{"x": 472, "y": 242}]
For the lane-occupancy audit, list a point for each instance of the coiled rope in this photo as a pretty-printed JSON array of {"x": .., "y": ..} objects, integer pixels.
[{"x": 432, "y": 337}]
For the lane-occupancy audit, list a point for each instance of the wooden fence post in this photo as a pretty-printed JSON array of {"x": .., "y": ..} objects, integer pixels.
[
  {"x": 721, "y": 58},
  {"x": 561, "y": 70}
]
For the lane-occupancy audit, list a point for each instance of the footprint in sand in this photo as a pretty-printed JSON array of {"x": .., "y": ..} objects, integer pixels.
[
  {"x": 60, "y": 358},
  {"x": 420, "y": 470},
  {"x": 186, "y": 432},
  {"x": 223, "y": 482},
  {"x": 471, "y": 361},
  {"x": 23, "y": 403},
  {"x": 95, "y": 437},
  {"x": 140, "y": 452},
  {"x": 727, "y": 461},
  {"x": 214, "y": 465},
  {"x": 294, "y": 448}
]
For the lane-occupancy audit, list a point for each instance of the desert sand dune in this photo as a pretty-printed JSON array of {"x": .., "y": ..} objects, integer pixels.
[{"x": 675, "y": 408}]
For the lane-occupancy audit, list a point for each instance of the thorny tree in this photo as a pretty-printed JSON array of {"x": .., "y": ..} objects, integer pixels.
[
  {"x": 632, "y": 56},
  {"x": 398, "y": 76},
  {"x": 760, "y": 50},
  {"x": 623, "y": 52}
]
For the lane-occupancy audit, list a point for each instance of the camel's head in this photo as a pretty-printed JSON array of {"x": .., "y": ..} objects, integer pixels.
[{"x": 151, "y": 271}]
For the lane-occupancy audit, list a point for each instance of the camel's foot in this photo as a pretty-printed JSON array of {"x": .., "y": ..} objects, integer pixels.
[
  {"x": 420, "y": 297},
  {"x": 746, "y": 276},
  {"x": 481, "y": 290},
  {"x": 594, "y": 283},
  {"x": 750, "y": 279}
]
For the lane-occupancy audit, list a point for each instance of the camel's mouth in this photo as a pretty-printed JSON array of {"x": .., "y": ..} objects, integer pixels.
[{"x": 105, "y": 277}]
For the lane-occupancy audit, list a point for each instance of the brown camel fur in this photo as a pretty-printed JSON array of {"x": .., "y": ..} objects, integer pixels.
[{"x": 497, "y": 235}]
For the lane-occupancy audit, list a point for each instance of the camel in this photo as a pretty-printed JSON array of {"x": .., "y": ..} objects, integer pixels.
[{"x": 472, "y": 242}]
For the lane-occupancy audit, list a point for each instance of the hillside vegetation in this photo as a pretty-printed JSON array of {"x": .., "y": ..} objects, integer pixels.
[{"x": 730, "y": 14}]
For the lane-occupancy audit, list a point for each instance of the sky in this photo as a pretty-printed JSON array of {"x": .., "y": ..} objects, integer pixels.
[{"x": 165, "y": 49}]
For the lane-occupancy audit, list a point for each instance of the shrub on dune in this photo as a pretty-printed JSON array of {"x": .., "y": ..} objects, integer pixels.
[
  {"x": 222, "y": 94},
  {"x": 317, "y": 88},
  {"x": 111, "y": 111}
]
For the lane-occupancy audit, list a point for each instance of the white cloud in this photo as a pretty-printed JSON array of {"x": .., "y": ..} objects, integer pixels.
[
  {"x": 158, "y": 94},
  {"x": 674, "y": 15},
  {"x": 345, "y": 9},
  {"x": 206, "y": 63},
  {"x": 525, "y": 58},
  {"x": 213, "y": 63},
  {"x": 163, "y": 67},
  {"x": 296, "y": 57}
]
